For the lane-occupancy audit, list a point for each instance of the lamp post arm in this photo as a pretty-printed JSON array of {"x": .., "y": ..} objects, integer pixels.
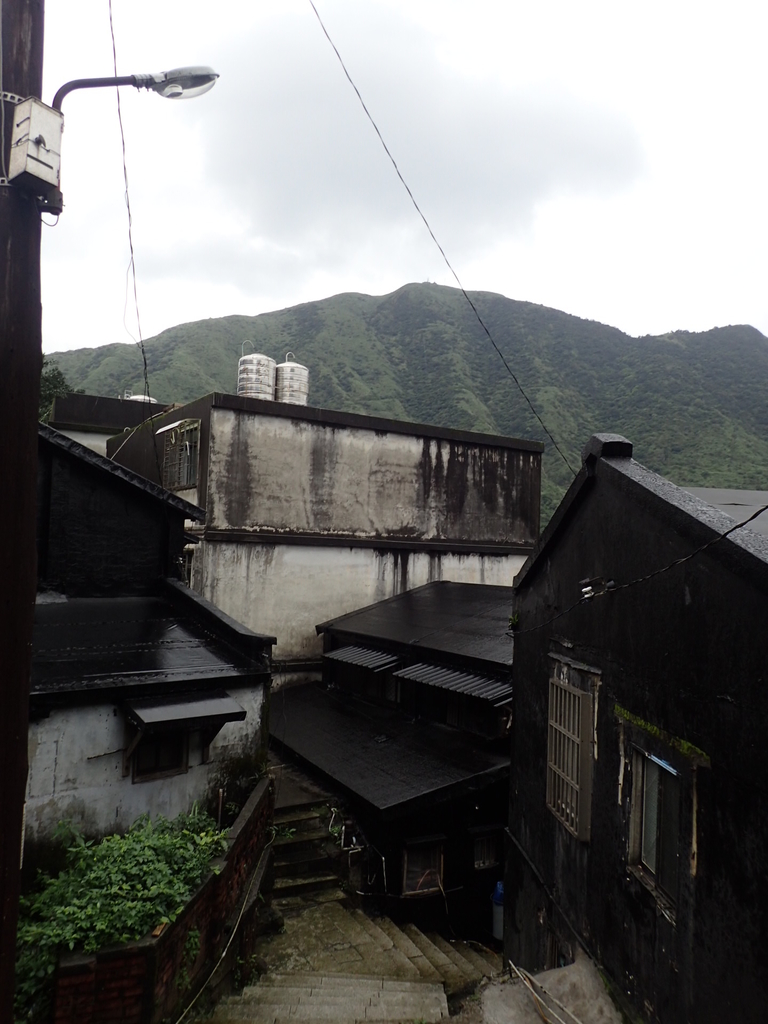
[{"x": 96, "y": 83}]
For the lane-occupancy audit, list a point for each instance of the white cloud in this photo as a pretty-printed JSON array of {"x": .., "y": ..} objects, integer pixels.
[{"x": 601, "y": 158}]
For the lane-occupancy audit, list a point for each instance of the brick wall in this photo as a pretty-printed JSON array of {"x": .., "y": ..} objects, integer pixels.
[{"x": 151, "y": 980}]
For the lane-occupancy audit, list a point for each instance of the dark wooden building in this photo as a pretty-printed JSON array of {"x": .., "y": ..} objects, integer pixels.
[
  {"x": 411, "y": 723},
  {"x": 639, "y": 809}
]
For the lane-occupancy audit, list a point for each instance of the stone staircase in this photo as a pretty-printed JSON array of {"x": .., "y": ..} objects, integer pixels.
[
  {"x": 340, "y": 998},
  {"x": 337, "y": 964},
  {"x": 305, "y": 854}
]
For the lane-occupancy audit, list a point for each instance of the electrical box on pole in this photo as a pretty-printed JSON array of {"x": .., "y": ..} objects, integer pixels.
[{"x": 36, "y": 147}]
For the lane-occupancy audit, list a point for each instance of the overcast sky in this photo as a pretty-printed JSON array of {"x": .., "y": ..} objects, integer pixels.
[{"x": 604, "y": 158}]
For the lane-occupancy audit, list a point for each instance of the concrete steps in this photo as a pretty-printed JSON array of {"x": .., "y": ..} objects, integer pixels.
[
  {"x": 342, "y": 999},
  {"x": 303, "y": 855},
  {"x": 337, "y": 964}
]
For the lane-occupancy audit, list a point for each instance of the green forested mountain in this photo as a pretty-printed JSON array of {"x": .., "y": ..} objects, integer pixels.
[{"x": 695, "y": 405}]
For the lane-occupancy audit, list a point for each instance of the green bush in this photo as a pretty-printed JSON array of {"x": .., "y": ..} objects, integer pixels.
[{"x": 111, "y": 891}]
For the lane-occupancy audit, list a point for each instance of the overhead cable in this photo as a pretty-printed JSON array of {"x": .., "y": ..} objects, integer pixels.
[
  {"x": 418, "y": 209},
  {"x": 614, "y": 588},
  {"x": 131, "y": 271}
]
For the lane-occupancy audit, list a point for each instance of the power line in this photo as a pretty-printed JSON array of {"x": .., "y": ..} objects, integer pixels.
[
  {"x": 439, "y": 246},
  {"x": 131, "y": 271},
  {"x": 616, "y": 587}
]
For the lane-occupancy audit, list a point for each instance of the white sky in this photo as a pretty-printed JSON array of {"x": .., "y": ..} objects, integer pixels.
[{"x": 605, "y": 158}]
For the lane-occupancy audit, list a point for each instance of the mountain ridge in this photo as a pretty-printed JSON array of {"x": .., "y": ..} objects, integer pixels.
[{"x": 695, "y": 404}]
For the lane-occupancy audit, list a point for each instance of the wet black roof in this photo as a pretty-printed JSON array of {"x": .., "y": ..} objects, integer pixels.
[
  {"x": 461, "y": 619},
  {"x": 377, "y": 754},
  {"x": 136, "y": 644},
  {"x": 85, "y": 455}
]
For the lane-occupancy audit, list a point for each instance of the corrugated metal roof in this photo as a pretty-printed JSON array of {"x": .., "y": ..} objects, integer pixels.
[
  {"x": 364, "y": 657},
  {"x": 494, "y": 690}
]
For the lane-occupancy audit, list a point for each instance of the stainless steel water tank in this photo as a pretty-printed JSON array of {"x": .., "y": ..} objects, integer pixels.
[
  {"x": 256, "y": 376},
  {"x": 292, "y": 381}
]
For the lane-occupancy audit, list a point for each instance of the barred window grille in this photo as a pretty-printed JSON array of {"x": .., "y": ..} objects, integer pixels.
[
  {"x": 569, "y": 751},
  {"x": 180, "y": 456},
  {"x": 487, "y": 853}
]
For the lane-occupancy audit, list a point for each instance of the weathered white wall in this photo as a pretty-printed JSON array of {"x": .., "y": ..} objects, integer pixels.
[
  {"x": 76, "y": 769},
  {"x": 271, "y": 473},
  {"x": 90, "y": 438},
  {"x": 284, "y": 590}
]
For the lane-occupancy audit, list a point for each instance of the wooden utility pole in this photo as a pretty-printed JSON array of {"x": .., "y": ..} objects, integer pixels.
[{"x": 20, "y": 363}]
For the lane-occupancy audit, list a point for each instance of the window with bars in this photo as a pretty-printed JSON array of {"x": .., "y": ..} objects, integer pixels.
[
  {"x": 487, "y": 851},
  {"x": 569, "y": 748},
  {"x": 180, "y": 450},
  {"x": 655, "y": 821}
]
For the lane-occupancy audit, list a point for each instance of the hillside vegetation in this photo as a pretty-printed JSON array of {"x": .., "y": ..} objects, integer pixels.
[{"x": 695, "y": 405}]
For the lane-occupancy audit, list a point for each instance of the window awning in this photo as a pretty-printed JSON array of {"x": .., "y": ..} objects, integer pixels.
[
  {"x": 177, "y": 423},
  {"x": 192, "y": 712},
  {"x": 496, "y": 691},
  {"x": 365, "y": 657}
]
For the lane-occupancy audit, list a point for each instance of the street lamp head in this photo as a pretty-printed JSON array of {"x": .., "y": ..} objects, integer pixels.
[{"x": 180, "y": 83}]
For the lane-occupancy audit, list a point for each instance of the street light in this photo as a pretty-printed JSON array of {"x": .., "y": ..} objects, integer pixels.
[
  {"x": 179, "y": 84},
  {"x": 36, "y": 137}
]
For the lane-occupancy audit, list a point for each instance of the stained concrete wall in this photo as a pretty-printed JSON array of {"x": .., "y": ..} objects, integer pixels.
[
  {"x": 76, "y": 768},
  {"x": 278, "y": 474},
  {"x": 284, "y": 590}
]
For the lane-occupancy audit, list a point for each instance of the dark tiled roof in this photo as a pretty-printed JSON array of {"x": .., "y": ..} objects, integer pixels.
[
  {"x": 465, "y": 619},
  {"x": 392, "y": 763},
  {"x": 90, "y": 644}
]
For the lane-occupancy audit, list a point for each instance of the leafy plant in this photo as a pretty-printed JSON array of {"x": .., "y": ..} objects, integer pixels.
[
  {"x": 111, "y": 891},
  {"x": 282, "y": 831},
  {"x": 188, "y": 957}
]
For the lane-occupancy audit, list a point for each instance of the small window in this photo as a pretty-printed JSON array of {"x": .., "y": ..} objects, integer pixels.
[
  {"x": 569, "y": 750},
  {"x": 180, "y": 450},
  {"x": 487, "y": 851},
  {"x": 160, "y": 755},
  {"x": 656, "y": 821},
  {"x": 187, "y": 561},
  {"x": 422, "y": 868}
]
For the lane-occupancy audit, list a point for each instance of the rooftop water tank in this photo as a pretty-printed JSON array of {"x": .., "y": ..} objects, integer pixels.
[
  {"x": 292, "y": 381},
  {"x": 141, "y": 398},
  {"x": 256, "y": 376}
]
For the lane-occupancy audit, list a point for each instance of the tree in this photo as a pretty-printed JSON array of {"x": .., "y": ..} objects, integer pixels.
[{"x": 52, "y": 383}]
